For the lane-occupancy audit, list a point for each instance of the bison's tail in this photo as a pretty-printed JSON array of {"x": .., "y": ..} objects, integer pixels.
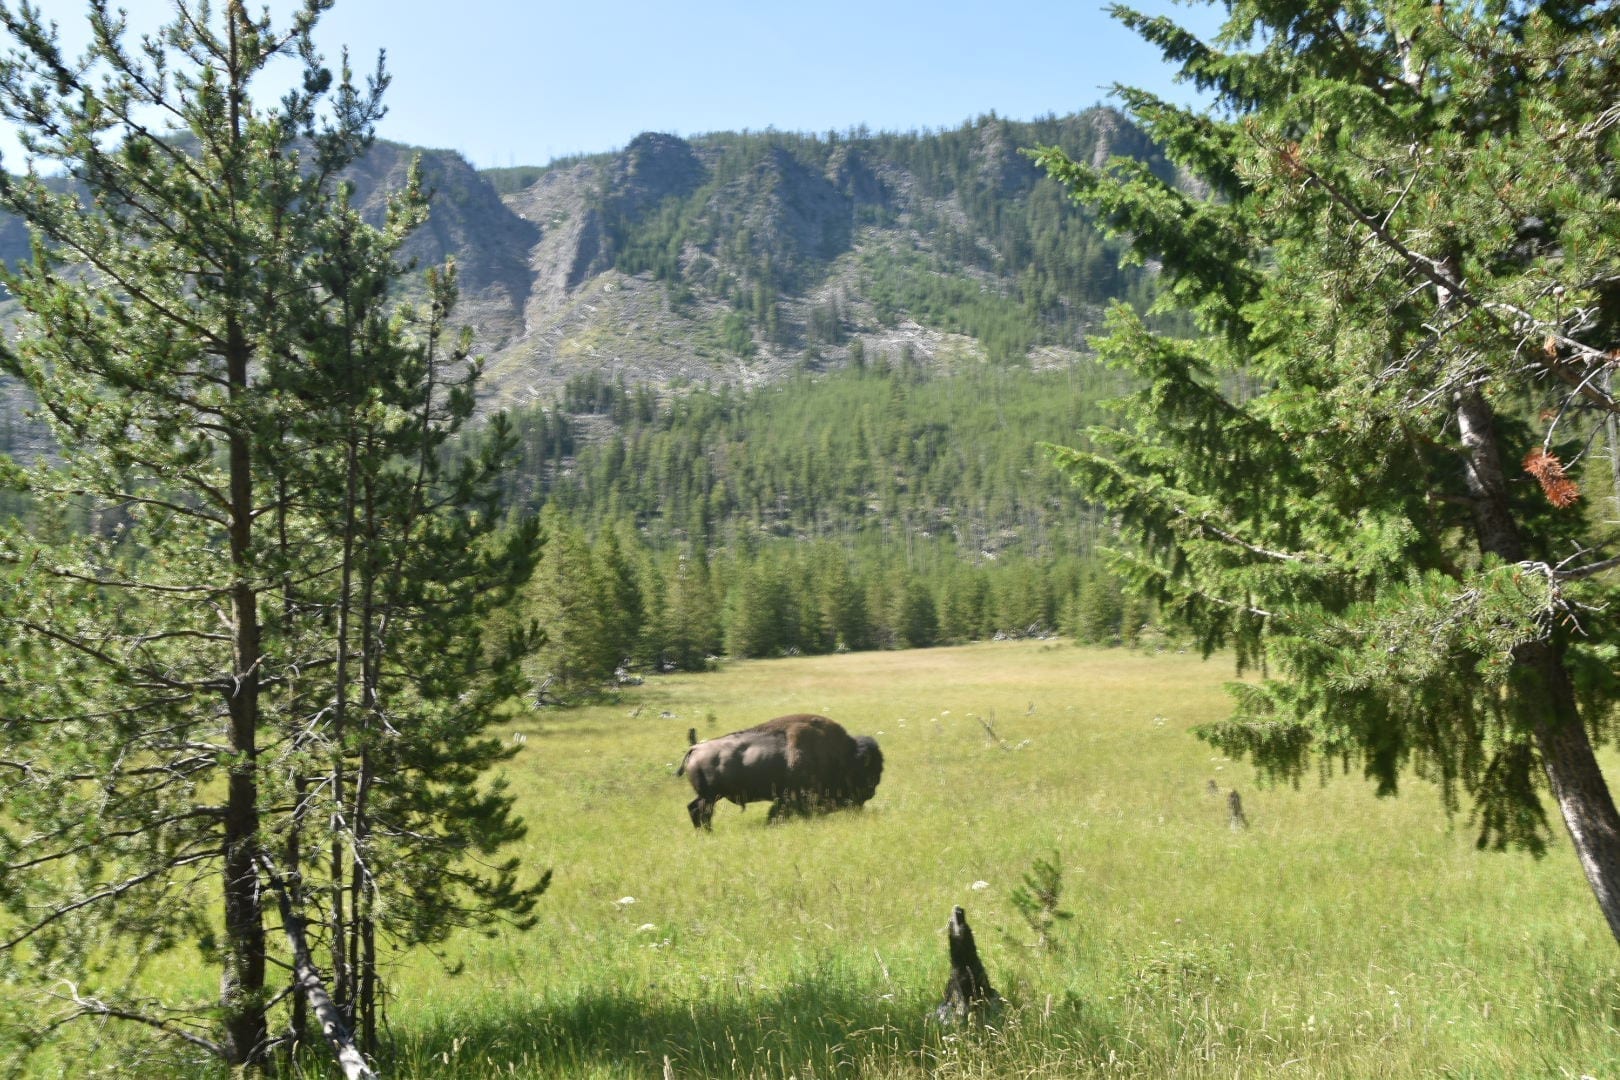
[{"x": 680, "y": 770}]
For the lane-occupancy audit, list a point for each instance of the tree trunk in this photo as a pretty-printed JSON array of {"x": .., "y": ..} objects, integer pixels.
[
  {"x": 242, "y": 982},
  {"x": 293, "y": 859},
  {"x": 1611, "y": 428},
  {"x": 311, "y": 988},
  {"x": 1567, "y": 756}
]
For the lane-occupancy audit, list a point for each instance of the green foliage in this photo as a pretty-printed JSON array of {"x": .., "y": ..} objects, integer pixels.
[
  {"x": 923, "y": 516},
  {"x": 911, "y": 285},
  {"x": 509, "y": 181},
  {"x": 1405, "y": 299},
  {"x": 687, "y": 630},
  {"x": 570, "y": 596},
  {"x": 736, "y": 334},
  {"x": 260, "y": 672},
  {"x": 916, "y": 623},
  {"x": 912, "y": 455},
  {"x": 1037, "y": 899},
  {"x": 1097, "y": 615}
]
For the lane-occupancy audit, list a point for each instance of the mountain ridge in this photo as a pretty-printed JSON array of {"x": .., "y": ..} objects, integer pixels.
[
  {"x": 742, "y": 258},
  {"x": 739, "y": 258}
]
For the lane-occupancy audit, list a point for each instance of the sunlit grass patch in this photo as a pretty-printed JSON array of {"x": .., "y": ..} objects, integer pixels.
[{"x": 1339, "y": 935}]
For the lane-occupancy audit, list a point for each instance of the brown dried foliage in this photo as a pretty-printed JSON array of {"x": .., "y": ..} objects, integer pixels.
[{"x": 1560, "y": 490}]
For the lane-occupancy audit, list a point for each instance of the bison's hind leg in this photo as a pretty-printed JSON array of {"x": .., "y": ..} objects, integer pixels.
[{"x": 701, "y": 811}]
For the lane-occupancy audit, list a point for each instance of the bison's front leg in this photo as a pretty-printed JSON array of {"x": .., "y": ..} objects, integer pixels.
[
  {"x": 701, "y": 811},
  {"x": 786, "y": 806}
]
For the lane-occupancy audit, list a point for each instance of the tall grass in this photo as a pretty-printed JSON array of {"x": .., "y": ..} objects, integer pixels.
[{"x": 1340, "y": 935}]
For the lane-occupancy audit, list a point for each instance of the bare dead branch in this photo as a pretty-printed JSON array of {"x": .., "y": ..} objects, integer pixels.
[
  {"x": 86, "y": 1007},
  {"x": 1589, "y": 570},
  {"x": 1237, "y": 541}
]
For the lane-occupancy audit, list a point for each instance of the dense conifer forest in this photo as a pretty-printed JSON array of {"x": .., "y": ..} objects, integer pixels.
[
  {"x": 886, "y": 493},
  {"x": 910, "y": 311},
  {"x": 881, "y": 506}
]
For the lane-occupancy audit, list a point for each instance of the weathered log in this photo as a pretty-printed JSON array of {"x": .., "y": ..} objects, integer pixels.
[{"x": 969, "y": 997}]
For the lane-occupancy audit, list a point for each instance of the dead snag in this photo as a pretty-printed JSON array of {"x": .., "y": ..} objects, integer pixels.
[
  {"x": 1234, "y": 804},
  {"x": 990, "y": 732},
  {"x": 330, "y": 1017},
  {"x": 969, "y": 997}
]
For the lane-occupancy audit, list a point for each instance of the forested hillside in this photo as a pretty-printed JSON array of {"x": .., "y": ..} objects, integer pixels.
[
  {"x": 885, "y": 505},
  {"x": 812, "y": 422},
  {"x": 738, "y": 258},
  {"x": 885, "y": 452},
  {"x": 802, "y": 375}
]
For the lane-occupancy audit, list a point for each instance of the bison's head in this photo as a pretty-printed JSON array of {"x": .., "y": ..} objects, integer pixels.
[{"x": 868, "y": 769}]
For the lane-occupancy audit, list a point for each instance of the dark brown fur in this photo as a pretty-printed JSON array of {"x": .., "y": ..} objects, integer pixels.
[{"x": 799, "y": 763}]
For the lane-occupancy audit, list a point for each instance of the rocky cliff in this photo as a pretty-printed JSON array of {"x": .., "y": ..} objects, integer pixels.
[{"x": 742, "y": 257}]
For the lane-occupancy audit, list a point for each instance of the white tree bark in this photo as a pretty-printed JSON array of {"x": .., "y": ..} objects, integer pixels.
[{"x": 309, "y": 982}]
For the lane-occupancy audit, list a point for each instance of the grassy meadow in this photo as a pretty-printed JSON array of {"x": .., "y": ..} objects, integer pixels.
[{"x": 1340, "y": 935}]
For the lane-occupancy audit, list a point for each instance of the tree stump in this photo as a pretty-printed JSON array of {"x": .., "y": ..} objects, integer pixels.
[
  {"x": 1234, "y": 804},
  {"x": 969, "y": 997}
]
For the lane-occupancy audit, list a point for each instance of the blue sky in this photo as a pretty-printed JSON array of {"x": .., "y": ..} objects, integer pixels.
[{"x": 513, "y": 83}]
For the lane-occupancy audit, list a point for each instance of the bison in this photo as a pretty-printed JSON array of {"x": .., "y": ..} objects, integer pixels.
[{"x": 798, "y": 763}]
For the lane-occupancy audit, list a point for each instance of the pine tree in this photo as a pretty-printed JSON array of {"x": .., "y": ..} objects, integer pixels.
[
  {"x": 390, "y": 743},
  {"x": 759, "y": 616},
  {"x": 572, "y": 610},
  {"x": 843, "y": 622},
  {"x": 623, "y": 612},
  {"x": 1368, "y": 473},
  {"x": 916, "y": 619},
  {"x": 265, "y": 683},
  {"x": 692, "y": 630},
  {"x": 1098, "y": 610}
]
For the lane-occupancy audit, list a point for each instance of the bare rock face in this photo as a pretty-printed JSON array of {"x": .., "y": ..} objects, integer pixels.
[
  {"x": 489, "y": 242},
  {"x": 22, "y": 436},
  {"x": 852, "y": 172},
  {"x": 630, "y": 186},
  {"x": 1000, "y": 165},
  {"x": 789, "y": 214},
  {"x": 756, "y": 240},
  {"x": 655, "y": 167}
]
